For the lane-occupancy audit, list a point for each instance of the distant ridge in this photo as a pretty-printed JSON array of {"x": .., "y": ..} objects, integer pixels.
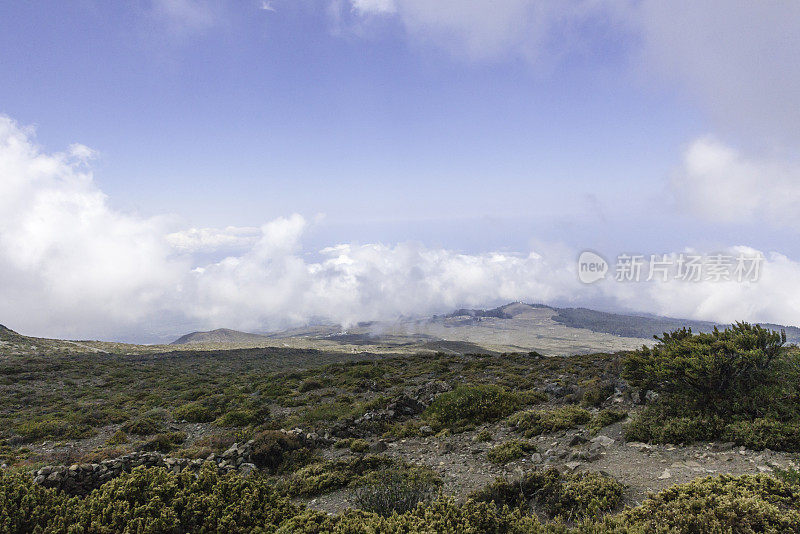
[
  {"x": 220, "y": 335},
  {"x": 632, "y": 325}
]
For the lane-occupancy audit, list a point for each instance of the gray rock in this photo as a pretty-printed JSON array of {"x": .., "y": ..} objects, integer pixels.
[{"x": 378, "y": 447}]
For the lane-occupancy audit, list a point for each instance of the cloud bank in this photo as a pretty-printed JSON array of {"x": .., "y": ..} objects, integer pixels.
[{"x": 73, "y": 266}]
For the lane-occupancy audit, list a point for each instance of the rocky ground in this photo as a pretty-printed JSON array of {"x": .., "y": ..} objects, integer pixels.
[{"x": 462, "y": 461}]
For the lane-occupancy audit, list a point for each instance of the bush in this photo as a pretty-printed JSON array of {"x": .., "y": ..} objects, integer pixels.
[
  {"x": 743, "y": 504},
  {"x": 710, "y": 372},
  {"x": 606, "y": 417},
  {"x": 470, "y": 405},
  {"x": 194, "y": 412},
  {"x": 765, "y": 433},
  {"x": 534, "y": 422},
  {"x": 484, "y": 436},
  {"x": 309, "y": 384},
  {"x": 273, "y": 450},
  {"x": 509, "y": 451},
  {"x": 393, "y": 492},
  {"x": 568, "y": 496},
  {"x": 118, "y": 438},
  {"x": 146, "y": 500},
  {"x": 330, "y": 475},
  {"x": 652, "y": 426},
  {"x": 149, "y": 423},
  {"x": 164, "y": 442},
  {"x": 53, "y": 428},
  {"x": 597, "y": 392},
  {"x": 359, "y": 446}
]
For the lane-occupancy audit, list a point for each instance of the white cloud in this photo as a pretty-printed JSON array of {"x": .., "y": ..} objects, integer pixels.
[
  {"x": 186, "y": 16},
  {"x": 213, "y": 239},
  {"x": 487, "y": 30},
  {"x": 369, "y": 7},
  {"x": 73, "y": 266},
  {"x": 66, "y": 258},
  {"x": 738, "y": 59},
  {"x": 718, "y": 183}
]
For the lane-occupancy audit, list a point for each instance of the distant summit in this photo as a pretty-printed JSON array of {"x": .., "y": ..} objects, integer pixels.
[{"x": 220, "y": 335}]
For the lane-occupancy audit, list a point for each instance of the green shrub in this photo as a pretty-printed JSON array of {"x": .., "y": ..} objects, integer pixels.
[
  {"x": 274, "y": 450},
  {"x": 711, "y": 371},
  {"x": 392, "y": 491},
  {"x": 509, "y": 451},
  {"x": 147, "y": 501},
  {"x": 118, "y": 438},
  {"x": 606, "y": 417},
  {"x": 164, "y": 442},
  {"x": 569, "y": 496},
  {"x": 765, "y": 433},
  {"x": 359, "y": 446},
  {"x": 743, "y": 504},
  {"x": 149, "y": 423},
  {"x": 534, "y": 422},
  {"x": 330, "y": 475},
  {"x": 470, "y": 405},
  {"x": 243, "y": 417},
  {"x": 651, "y": 426},
  {"x": 53, "y": 428},
  {"x": 194, "y": 412},
  {"x": 483, "y": 436},
  {"x": 597, "y": 392},
  {"x": 309, "y": 384}
]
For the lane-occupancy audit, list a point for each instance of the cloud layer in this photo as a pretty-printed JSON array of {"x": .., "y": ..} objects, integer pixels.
[{"x": 73, "y": 266}]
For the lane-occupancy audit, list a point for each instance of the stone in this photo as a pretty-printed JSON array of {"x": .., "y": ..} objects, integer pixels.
[
  {"x": 602, "y": 441},
  {"x": 577, "y": 440},
  {"x": 665, "y": 475},
  {"x": 572, "y": 466},
  {"x": 425, "y": 430},
  {"x": 378, "y": 447}
]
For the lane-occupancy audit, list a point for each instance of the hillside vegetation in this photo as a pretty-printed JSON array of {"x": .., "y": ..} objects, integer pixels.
[{"x": 287, "y": 440}]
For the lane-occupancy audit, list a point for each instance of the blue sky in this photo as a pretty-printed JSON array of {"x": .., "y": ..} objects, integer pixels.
[{"x": 469, "y": 127}]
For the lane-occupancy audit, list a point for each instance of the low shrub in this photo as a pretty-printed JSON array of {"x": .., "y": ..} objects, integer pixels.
[
  {"x": 194, "y": 412},
  {"x": 567, "y": 496},
  {"x": 146, "y": 500},
  {"x": 726, "y": 503},
  {"x": 309, "y": 384},
  {"x": 469, "y": 405},
  {"x": 509, "y": 451},
  {"x": 765, "y": 433},
  {"x": 147, "y": 424},
  {"x": 596, "y": 392},
  {"x": 606, "y": 417},
  {"x": 164, "y": 442},
  {"x": 359, "y": 446},
  {"x": 118, "y": 438},
  {"x": 53, "y": 428},
  {"x": 330, "y": 475},
  {"x": 483, "y": 436},
  {"x": 534, "y": 422},
  {"x": 392, "y": 491},
  {"x": 275, "y": 450},
  {"x": 243, "y": 417}
]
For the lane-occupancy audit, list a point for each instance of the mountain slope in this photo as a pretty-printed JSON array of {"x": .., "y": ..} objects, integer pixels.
[{"x": 220, "y": 335}]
